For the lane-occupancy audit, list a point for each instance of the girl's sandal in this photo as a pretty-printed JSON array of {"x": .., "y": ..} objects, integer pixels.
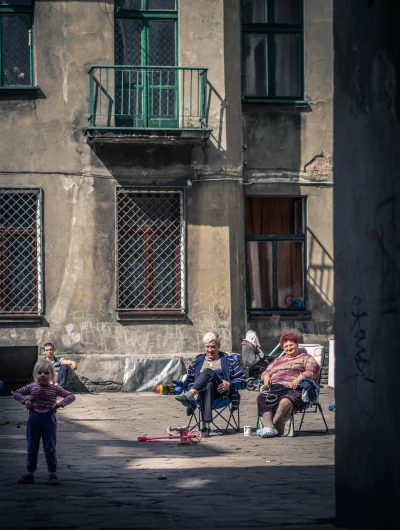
[{"x": 26, "y": 479}]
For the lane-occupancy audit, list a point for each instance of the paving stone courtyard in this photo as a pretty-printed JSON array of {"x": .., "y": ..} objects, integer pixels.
[{"x": 109, "y": 480}]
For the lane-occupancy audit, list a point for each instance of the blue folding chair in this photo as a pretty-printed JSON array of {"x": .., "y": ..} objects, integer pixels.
[
  {"x": 222, "y": 411},
  {"x": 308, "y": 407}
]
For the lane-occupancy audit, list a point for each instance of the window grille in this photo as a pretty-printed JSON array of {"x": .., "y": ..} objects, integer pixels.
[
  {"x": 150, "y": 235},
  {"x": 20, "y": 252}
]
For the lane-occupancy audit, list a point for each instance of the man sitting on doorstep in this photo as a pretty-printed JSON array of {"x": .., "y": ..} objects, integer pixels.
[{"x": 60, "y": 365}]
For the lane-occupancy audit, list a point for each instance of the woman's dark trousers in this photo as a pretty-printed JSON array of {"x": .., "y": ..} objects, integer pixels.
[
  {"x": 206, "y": 384},
  {"x": 41, "y": 426}
]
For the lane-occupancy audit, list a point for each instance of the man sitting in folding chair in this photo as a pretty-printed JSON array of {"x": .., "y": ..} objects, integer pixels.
[
  {"x": 283, "y": 379},
  {"x": 213, "y": 376}
]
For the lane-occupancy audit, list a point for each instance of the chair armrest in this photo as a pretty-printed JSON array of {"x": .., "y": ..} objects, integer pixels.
[{"x": 236, "y": 385}]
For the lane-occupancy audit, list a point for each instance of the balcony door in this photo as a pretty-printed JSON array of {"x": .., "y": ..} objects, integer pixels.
[{"x": 146, "y": 84}]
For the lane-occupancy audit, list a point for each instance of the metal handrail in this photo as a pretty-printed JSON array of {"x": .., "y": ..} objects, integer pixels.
[
  {"x": 147, "y": 97},
  {"x": 146, "y": 67}
]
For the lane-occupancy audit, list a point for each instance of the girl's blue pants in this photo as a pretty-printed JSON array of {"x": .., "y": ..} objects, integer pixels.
[{"x": 41, "y": 426}]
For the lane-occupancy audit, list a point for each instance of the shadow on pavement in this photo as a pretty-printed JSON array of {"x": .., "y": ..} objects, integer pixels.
[{"x": 109, "y": 480}]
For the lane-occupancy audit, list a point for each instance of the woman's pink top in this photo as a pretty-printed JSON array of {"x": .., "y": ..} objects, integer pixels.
[{"x": 285, "y": 369}]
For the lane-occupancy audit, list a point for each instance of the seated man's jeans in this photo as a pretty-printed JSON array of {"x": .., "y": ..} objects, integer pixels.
[
  {"x": 206, "y": 384},
  {"x": 62, "y": 375}
]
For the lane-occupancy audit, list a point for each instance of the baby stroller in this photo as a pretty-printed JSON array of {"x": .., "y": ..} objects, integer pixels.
[{"x": 254, "y": 360}]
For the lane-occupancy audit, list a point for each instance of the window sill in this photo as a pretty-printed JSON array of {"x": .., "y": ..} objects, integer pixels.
[
  {"x": 22, "y": 317},
  {"x": 289, "y": 102},
  {"x": 280, "y": 312},
  {"x": 150, "y": 315},
  {"x": 19, "y": 92}
]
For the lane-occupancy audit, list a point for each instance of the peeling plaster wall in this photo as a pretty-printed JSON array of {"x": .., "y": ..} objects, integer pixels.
[
  {"x": 79, "y": 187},
  {"x": 283, "y": 142},
  {"x": 42, "y": 144},
  {"x": 79, "y": 246},
  {"x": 69, "y": 38},
  {"x": 288, "y": 152}
]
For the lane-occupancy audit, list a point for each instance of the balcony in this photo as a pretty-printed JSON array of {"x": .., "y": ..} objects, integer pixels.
[{"x": 147, "y": 103}]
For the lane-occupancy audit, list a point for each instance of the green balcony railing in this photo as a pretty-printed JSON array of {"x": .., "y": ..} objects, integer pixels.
[{"x": 148, "y": 97}]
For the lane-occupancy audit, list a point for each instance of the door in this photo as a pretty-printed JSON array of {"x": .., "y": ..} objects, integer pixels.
[{"x": 146, "y": 96}]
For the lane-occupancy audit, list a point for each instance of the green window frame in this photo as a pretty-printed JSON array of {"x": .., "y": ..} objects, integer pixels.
[
  {"x": 150, "y": 94},
  {"x": 269, "y": 44},
  {"x": 146, "y": 14},
  {"x": 16, "y": 53}
]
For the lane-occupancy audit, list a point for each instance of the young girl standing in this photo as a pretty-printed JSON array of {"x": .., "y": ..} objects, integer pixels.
[{"x": 40, "y": 398}]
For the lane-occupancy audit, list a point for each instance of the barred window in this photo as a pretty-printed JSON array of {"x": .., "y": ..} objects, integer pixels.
[
  {"x": 16, "y": 43},
  {"x": 150, "y": 227},
  {"x": 20, "y": 252}
]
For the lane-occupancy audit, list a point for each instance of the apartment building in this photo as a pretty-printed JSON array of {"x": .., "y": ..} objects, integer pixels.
[{"x": 165, "y": 170}]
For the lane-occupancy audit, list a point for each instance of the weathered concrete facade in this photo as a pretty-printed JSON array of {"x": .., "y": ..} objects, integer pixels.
[
  {"x": 253, "y": 150},
  {"x": 367, "y": 278}
]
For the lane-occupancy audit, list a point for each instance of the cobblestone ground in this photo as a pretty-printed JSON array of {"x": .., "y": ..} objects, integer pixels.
[{"x": 109, "y": 480}]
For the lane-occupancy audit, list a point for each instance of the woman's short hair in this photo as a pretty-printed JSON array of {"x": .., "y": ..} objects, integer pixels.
[
  {"x": 44, "y": 366},
  {"x": 288, "y": 336},
  {"x": 211, "y": 335}
]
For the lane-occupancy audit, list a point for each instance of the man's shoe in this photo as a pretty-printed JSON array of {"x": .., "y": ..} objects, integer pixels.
[
  {"x": 53, "y": 481},
  {"x": 183, "y": 398},
  {"x": 205, "y": 431},
  {"x": 26, "y": 479}
]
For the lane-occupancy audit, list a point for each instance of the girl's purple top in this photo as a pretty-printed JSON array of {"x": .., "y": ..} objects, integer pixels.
[{"x": 43, "y": 398}]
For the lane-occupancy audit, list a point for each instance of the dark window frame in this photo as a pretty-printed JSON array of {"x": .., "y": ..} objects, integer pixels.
[
  {"x": 35, "y": 233},
  {"x": 275, "y": 239},
  {"x": 151, "y": 234},
  {"x": 15, "y": 10},
  {"x": 271, "y": 29}
]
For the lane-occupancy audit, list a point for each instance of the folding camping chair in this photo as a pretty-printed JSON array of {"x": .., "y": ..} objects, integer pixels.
[
  {"x": 222, "y": 412},
  {"x": 318, "y": 352}
]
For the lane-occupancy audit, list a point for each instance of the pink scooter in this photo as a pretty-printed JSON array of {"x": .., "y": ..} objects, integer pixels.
[{"x": 185, "y": 436}]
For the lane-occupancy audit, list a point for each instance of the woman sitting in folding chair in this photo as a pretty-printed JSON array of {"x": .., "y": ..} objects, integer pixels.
[
  {"x": 211, "y": 375},
  {"x": 282, "y": 378}
]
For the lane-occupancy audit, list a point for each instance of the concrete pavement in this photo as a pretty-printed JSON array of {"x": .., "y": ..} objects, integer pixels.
[{"x": 109, "y": 480}]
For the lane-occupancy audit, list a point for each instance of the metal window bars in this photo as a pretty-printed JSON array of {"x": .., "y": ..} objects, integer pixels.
[
  {"x": 150, "y": 251},
  {"x": 20, "y": 252},
  {"x": 148, "y": 97}
]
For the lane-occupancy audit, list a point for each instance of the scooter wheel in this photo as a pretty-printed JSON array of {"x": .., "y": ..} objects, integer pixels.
[
  {"x": 195, "y": 436},
  {"x": 251, "y": 384}
]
